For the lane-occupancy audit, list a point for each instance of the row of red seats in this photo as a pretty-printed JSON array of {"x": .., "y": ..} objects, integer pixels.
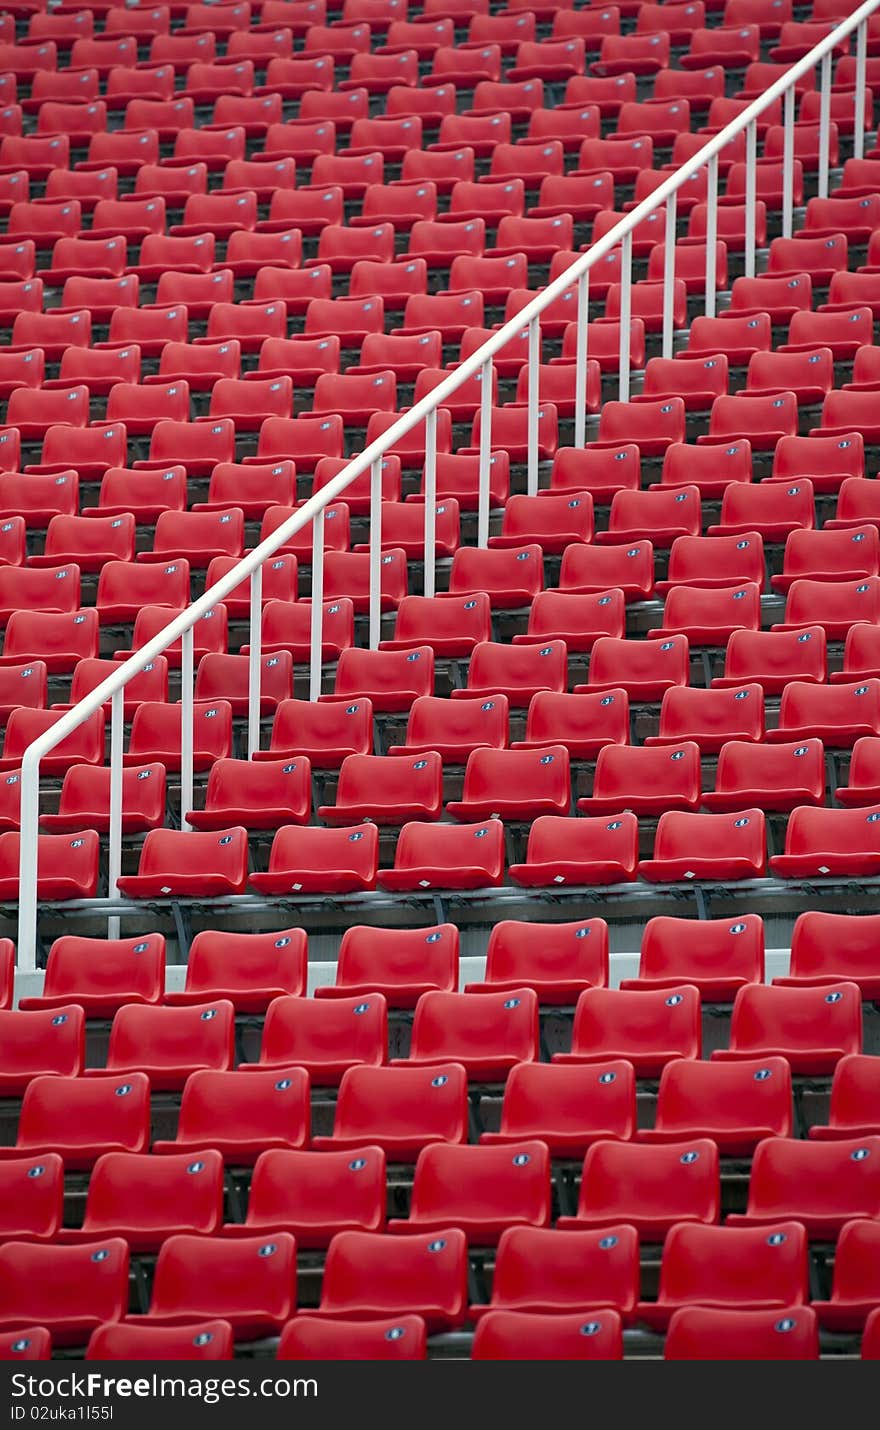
[
  {"x": 250, "y": 1285},
  {"x": 251, "y": 970},
  {"x": 402, "y": 1110},
  {"x": 561, "y": 851},
  {"x": 812, "y": 1027}
]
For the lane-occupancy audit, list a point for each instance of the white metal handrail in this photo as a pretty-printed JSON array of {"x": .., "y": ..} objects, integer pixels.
[{"x": 480, "y": 365}]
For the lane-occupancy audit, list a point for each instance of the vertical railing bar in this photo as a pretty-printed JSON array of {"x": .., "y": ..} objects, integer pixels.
[
  {"x": 625, "y": 311},
  {"x": 751, "y": 187},
  {"x": 711, "y": 233},
  {"x": 316, "y": 631},
  {"x": 669, "y": 276},
  {"x": 861, "y": 73},
  {"x": 187, "y": 716},
  {"x": 788, "y": 162},
  {"x": 534, "y": 404},
  {"x": 255, "y": 661},
  {"x": 486, "y": 372},
  {"x": 429, "y": 580},
  {"x": 114, "y": 858},
  {"x": 375, "y": 553},
  {"x": 824, "y": 124},
  {"x": 26, "y": 958},
  {"x": 580, "y": 374}
]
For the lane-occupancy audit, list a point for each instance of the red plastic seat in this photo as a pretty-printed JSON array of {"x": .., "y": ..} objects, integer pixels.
[
  {"x": 578, "y": 619},
  {"x": 645, "y": 671},
  {"x": 779, "y": 778},
  {"x": 248, "y": 970},
  {"x": 726, "y": 1269},
  {"x": 400, "y": 1110},
  {"x": 583, "y": 723},
  {"x": 448, "y": 628},
  {"x": 736, "y": 1105},
  {"x": 249, "y": 1283},
  {"x": 312, "y": 1338},
  {"x": 482, "y": 1190},
  {"x": 323, "y": 733},
  {"x": 838, "y": 714},
  {"x": 264, "y": 798},
  {"x": 101, "y": 975},
  {"x": 503, "y": 1336},
  {"x": 856, "y": 1275},
  {"x": 650, "y": 1188},
  {"x": 314, "y": 1198},
  {"x": 312, "y": 860},
  {"x": 859, "y": 655},
  {"x": 515, "y": 671},
  {"x": 407, "y": 789},
  {"x": 645, "y": 781},
  {"x": 390, "y": 680},
  {"x": 823, "y": 1185},
  {"x": 37, "y": 1044},
  {"x": 145, "y": 1199},
  {"x": 58, "y": 640},
  {"x": 707, "y": 846},
  {"x": 395, "y": 963},
  {"x": 833, "y": 948},
  {"x": 584, "y": 851},
  {"x": 830, "y": 556},
  {"x": 454, "y": 728},
  {"x": 811, "y": 1027},
  {"x": 445, "y": 856},
  {"x": 762, "y": 420},
  {"x": 834, "y": 605},
  {"x": 551, "y": 1277},
  {"x": 853, "y": 1110},
  {"x": 33, "y": 1198},
  {"x": 177, "y": 864},
  {"x": 68, "y": 1290},
  {"x": 487, "y": 1035},
  {"x": 715, "y": 561},
  {"x": 702, "y": 1333},
  {"x": 242, "y": 1117},
  {"x": 169, "y": 1043},
  {"x": 824, "y": 459},
  {"x": 67, "y": 865},
  {"x": 771, "y": 659},
  {"x": 83, "y": 745},
  {"x": 567, "y": 1108},
  {"x": 715, "y": 956},
  {"x": 367, "y": 1276},
  {"x": 203, "y": 1341},
  {"x": 514, "y": 784},
  {"x": 710, "y": 617},
  {"x": 710, "y": 718},
  {"x": 828, "y": 841},
  {"x": 652, "y": 426},
  {"x": 647, "y": 1029},
  {"x": 324, "y": 1037},
  {"x": 558, "y": 968}
]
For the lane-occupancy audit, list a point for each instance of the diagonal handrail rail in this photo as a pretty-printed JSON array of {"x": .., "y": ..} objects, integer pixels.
[{"x": 250, "y": 566}]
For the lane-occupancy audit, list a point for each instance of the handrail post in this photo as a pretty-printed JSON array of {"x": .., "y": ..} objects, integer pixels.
[
  {"x": 669, "y": 276},
  {"x": 486, "y": 372},
  {"x": 26, "y": 959},
  {"x": 255, "y": 662},
  {"x": 317, "y": 611},
  {"x": 375, "y": 553},
  {"x": 580, "y": 374},
  {"x": 534, "y": 402},
  {"x": 861, "y": 73},
  {"x": 711, "y": 233},
  {"x": 788, "y": 162},
  {"x": 114, "y": 862},
  {"x": 429, "y": 579},
  {"x": 824, "y": 124},
  {"x": 751, "y": 185},
  {"x": 625, "y": 311},
  {"x": 187, "y": 716}
]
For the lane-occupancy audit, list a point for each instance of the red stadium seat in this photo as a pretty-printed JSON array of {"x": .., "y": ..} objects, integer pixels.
[
  {"x": 647, "y": 1029},
  {"x": 645, "y": 781},
  {"x": 650, "y": 1188},
  {"x": 242, "y": 1117},
  {"x": 68, "y": 1290},
  {"x": 569, "y": 958},
  {"x": 833, "y": 948},
  {"x": 326, "y": 1038},
  {"x": 716, "y": 956},
  {"x": 401, "y": 964},
  {"x": 567, "y": 1108},
  {"x": 742, "y": 1269},
  {"x": 707, "y": 846},
  {"x": 400, "y": 1110},
  {"x": 249, "y": 1283},
  {"x": 823, "y": 1185},
  {"x": 584, "y": 851},
  {"x": 856, "y": 1278},
  {"x": 315, "y": 1198}
]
